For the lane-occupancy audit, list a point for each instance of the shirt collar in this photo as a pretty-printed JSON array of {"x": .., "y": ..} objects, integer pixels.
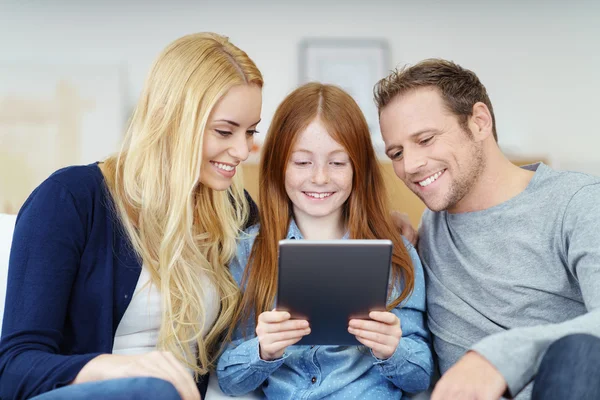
[{"x": 294, "y": 232}]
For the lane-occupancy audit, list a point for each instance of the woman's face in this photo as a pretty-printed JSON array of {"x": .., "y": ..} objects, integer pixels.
[{"x": 228, "y": 136}]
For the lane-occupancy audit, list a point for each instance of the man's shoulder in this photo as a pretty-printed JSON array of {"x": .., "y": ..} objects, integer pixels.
[
  {"x": 430, "y": 219},
  {"x": 566, "y": 183},
  {"x": 431, "y": 223}
]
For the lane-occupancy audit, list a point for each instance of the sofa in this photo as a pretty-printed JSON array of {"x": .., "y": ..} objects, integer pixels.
[{"x": 7, "y": 223}]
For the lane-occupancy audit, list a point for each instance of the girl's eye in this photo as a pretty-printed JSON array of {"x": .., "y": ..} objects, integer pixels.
[
  {"x": 339, "y": 163},
  {"x": 251, "y": 132},
  {"x": 301, "y": 162}
]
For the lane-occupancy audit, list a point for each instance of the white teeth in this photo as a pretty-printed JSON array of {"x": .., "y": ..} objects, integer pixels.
[
  {"x": 431, "y": 179},
  {"x": 318, "y": 195},
  {"x": 224, "y": 167}
]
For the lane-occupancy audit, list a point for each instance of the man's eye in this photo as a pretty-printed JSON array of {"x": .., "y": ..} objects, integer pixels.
[
  {"x": 223, "y": 133},
  {"x": 425, "y": 141},
  {"x": 396, "y": 155}
]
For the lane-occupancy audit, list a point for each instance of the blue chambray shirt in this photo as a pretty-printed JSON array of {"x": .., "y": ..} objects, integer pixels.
[{"x": 333, "y": 372}]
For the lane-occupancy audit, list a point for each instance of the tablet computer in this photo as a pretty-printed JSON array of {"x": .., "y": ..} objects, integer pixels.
[{"x": 328, "y": 282}]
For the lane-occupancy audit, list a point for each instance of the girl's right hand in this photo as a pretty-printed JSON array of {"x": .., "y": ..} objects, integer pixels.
[
  {"x": 156, "y": 364},
  {"x": 276, "y": 331}
]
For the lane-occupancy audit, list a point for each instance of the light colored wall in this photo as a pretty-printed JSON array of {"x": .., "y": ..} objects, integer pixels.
[{"x": 539, "y": 60}]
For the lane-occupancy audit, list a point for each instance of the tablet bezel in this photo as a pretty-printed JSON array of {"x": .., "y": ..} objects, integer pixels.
[{"x": 359, "y": 288}]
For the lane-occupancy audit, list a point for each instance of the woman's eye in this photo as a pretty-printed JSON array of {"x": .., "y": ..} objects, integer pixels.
[
  {"x": 251, "y": 132},
  {"x": 223, "y": 133},
  {"x": 301, "y": 162},
  {"x": 339, "y": 163}
]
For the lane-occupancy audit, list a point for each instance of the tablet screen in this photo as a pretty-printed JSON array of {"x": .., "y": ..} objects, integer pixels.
[{"x": 330, "y": 282}]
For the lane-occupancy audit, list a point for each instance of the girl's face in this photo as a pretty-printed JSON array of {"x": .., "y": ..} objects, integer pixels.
[
  {"x": 228, "y": 136},
  {"x": 318, "y": 179}
]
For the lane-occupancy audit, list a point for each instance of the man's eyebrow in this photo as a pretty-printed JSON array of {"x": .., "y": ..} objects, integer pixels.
[
  {"x": 422, "y": 131},
  {"x": 412, "y": 136}
]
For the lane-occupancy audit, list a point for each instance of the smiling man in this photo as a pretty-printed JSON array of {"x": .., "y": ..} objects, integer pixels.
[{"x": 512, "y": 254}]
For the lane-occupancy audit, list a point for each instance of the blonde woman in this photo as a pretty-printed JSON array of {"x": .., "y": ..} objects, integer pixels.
[{"x": 118, "y": 283}]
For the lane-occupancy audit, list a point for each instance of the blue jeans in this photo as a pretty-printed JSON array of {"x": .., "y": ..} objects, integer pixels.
[
  {"x": 115, "y": 389},
  {"x": 569, "y": 370}
]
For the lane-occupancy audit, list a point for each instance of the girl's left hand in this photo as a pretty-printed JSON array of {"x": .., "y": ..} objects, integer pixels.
[{"x": 382, "y": 334}]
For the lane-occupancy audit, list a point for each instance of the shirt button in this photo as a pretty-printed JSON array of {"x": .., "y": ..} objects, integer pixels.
[{"x": 314, "y": 379}]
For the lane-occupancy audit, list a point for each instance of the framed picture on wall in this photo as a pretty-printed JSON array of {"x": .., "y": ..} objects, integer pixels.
[{"x": 353, "y": 64}]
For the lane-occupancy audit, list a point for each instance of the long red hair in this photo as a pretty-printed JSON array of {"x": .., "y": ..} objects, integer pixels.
[{"x": 366, "y": 211}]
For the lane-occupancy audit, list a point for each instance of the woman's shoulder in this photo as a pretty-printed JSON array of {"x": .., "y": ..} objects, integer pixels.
[
  {"x": 81, "y": 181},
  {"x": 81, "y": 186},
  {"x": 77, "y": 177}
]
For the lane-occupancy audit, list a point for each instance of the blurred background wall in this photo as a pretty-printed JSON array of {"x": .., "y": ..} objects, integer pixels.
[{"x": 71, "y": 71}]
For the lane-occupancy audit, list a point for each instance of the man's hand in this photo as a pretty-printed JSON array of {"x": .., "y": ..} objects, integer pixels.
[
  {"x": 471, "y": 378},
  {"x": 402, "y": 222},
  {"x": 381, "y": 335}
]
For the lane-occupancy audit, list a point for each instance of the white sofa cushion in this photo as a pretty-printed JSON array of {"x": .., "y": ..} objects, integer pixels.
[{"x": 7, "y": 226}]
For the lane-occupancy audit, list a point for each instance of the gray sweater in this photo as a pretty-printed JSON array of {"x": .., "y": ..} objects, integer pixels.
[{"x": 510, "y": 280}]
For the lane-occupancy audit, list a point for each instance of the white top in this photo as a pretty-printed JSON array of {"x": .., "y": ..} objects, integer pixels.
[{"x": 137, "y": 332}]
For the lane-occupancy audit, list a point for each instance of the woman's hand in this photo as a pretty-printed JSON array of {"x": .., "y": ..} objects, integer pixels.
[
  {"x": 276, "y": 331},
  {"x": 156, "y": 364},
  {"x": 382, "y": 335}
]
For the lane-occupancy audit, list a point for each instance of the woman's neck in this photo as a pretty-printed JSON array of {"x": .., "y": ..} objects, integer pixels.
[{"x": 330, "y": 227}]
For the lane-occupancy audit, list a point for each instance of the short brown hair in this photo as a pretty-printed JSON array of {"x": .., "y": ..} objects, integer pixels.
[{"x": 459, "y": 87}]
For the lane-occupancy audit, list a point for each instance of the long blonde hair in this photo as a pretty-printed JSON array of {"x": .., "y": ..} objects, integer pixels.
[{"x": 182, "y": 231}]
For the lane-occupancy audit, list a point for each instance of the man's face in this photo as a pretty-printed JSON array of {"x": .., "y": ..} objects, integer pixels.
[{"x": 430, "y": 151}]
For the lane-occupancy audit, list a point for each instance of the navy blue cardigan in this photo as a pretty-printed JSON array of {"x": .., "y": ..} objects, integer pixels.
[{"x": 71, "y": 276}]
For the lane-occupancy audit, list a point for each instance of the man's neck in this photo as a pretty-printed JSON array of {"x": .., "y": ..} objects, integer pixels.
[
  {"x": 324, "y": 228},
  {"x": 500, "y": 181}
]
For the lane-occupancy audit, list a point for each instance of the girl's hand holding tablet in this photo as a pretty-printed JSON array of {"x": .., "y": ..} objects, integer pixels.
[
  {"x": 276, "y": 331},
  {"x": 382, "y": 335}
]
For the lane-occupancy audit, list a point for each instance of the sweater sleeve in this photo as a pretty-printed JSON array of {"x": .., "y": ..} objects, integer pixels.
[
  {"x": 517, "y": 353},
  {"x": 49, "y": 238}
]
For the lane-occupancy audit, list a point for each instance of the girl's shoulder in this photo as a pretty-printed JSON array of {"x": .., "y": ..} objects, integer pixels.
[{"x": 252, "y": 230}]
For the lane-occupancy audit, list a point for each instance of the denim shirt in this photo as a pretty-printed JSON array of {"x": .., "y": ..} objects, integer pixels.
[{"x": 334, "y": 372}]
